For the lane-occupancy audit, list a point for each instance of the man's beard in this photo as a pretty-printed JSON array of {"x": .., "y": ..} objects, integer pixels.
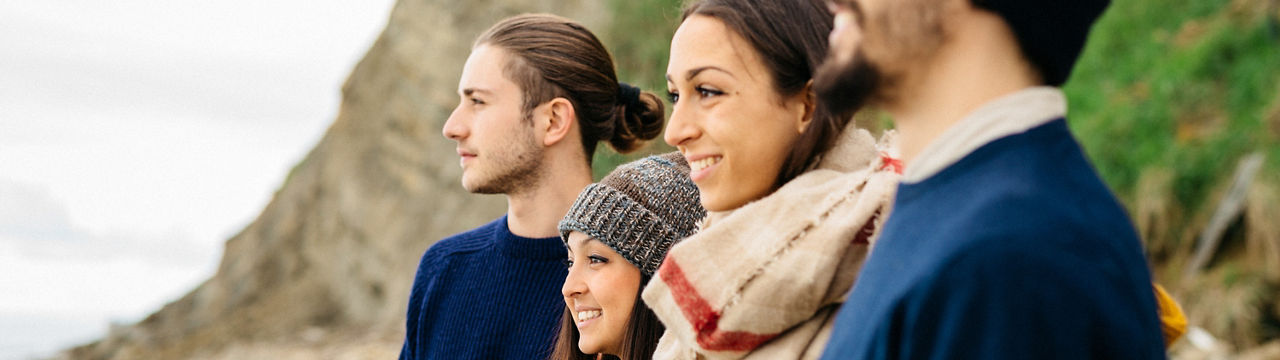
[
  {"x": 845, "y": 87},
  {"x": 516, "y": 172}
]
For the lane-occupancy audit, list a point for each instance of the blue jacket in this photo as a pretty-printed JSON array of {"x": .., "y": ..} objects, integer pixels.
[{"x": 1017, "y": 251}]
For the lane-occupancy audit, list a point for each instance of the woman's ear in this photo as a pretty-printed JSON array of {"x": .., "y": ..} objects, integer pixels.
[
  {"x": 560, "y": 119},
  {"x": 809, "y": 104}
]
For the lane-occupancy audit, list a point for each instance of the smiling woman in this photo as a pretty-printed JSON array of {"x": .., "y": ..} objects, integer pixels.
[
  {"x": 600, "y": 279},
  {"x": 744, "y": 112},
  {"x": 794, "y": 192},
  {"x": 617, "y": 233}
]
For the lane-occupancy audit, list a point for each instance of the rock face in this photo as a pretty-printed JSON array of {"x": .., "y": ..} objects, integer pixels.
[{"x": 330, "y": 260}]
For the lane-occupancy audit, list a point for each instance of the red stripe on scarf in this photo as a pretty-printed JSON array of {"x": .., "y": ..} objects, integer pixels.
[
  {"x": 704, "y": 319},
  {"x": 889, "y": 163}
]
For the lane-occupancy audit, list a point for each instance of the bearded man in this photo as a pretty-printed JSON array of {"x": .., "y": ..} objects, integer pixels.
[{"x": 1003, "y": 242}]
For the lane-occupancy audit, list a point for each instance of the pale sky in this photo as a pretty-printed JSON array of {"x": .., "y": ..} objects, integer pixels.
[{"x": 138, "y": 135}]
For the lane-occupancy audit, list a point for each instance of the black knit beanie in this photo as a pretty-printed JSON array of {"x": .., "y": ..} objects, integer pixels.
[
  {"x": 640, "y": 209},
  {"x": 1051, "y": 33}
]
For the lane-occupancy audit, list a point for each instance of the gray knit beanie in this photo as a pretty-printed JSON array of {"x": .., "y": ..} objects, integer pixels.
[{"x": 640, "y": 209}]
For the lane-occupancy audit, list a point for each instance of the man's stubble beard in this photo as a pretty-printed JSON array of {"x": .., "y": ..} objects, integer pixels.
[{"x": 519, "y": 171}]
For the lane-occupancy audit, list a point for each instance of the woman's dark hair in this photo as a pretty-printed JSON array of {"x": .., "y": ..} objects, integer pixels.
[
  {"x": 791, "y": 38},
  {"x": 551, "y": 56},
  {"x": 641, "y": 339}
]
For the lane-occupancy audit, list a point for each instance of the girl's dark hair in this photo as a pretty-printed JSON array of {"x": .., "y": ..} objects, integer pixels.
[
  {"x": 551, "y": 56},
  {"x": 791, "y": 38},
  {"x": 641, "y": 339}
]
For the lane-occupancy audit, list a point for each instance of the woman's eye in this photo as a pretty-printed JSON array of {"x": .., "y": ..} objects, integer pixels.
[
  {"x": 568, "y": 263},
  {"x": 708, "y": 92},
  {"x": 475, "y": 101},
  {"x": 597, "y": 259},
  {"x": 673, "y": 96}
]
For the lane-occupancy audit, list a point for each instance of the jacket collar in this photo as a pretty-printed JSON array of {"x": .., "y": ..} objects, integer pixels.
[{"x": 1008, "y": 115}]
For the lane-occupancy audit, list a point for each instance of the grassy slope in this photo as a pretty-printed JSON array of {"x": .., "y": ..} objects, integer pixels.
[{"x": 1185, "y": 85}]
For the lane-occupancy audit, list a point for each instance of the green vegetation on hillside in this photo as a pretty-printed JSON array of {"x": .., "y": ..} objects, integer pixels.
[{"x": 1186, "y": 85}]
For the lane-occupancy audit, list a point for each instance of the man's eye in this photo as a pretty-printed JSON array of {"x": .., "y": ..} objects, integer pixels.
[{"x": 476, "y": 101}]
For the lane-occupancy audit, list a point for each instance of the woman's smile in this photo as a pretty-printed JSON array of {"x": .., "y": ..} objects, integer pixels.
[
  {"x": 599, "y": 293},
  {"x": 701, "y": 166},
  {"x": 585, "y": 317}
]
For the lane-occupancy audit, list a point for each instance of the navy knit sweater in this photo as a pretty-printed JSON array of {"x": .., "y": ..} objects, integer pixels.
[
  {"x": 486, "y": 294},
  {"x": 1017, "y": 251}
]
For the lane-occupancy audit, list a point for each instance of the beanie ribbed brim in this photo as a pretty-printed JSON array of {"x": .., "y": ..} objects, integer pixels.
[{"x": 616, "y": 220}]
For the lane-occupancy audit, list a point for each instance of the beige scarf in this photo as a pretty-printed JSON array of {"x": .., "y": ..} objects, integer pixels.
[{"x": 766, "y": 280}]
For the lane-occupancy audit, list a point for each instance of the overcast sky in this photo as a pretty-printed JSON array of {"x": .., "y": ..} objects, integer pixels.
[{"x": 138, "y": 135}]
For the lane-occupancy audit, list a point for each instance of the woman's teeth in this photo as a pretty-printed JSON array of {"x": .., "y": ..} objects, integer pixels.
[
  {"x": 704, "y": 163},
  {"x": 588, "y": 315}
]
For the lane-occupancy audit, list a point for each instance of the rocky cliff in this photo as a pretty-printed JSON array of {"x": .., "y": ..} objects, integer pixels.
[{"x": 325, "y": 270}]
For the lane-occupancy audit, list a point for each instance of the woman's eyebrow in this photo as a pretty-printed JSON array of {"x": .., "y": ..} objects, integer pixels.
[{"x": 698, "y": 70}]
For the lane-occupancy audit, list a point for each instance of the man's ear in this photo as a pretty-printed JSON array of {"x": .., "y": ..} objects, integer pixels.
[
  {"x": 809, "y": 104},
  {"x": 559, "y": 121}
]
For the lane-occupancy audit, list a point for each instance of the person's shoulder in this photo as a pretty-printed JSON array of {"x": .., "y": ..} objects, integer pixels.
[
  {"x": 1045, "y": 214},
  {"x": 1013, "y": 234},
  {"x": 465, "y": 242},
  {"x": 1023, "y": 196}
]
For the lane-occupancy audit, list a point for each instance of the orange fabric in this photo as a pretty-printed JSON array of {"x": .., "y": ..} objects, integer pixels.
[{"x": 1173, "y": 323}]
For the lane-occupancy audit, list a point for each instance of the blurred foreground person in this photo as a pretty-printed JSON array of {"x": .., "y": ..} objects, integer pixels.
[
  {"x": 1003, "y": 242},
  {"x": 794, "y": 194},
  {"x": 617, "y": 233},
  {"x": 538, "y": 92}
]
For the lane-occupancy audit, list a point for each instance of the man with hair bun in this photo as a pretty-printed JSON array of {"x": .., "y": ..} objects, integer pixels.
[{"x": 538, "y": 92}]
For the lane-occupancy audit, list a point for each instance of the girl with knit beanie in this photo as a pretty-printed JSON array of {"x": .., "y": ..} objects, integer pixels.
[{"x": 617, "y": 233}]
